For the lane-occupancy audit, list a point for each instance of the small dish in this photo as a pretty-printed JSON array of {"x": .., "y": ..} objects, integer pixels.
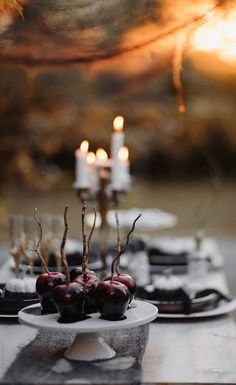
[
  {"x": 179, "y": 301},
  {"x": 223, "y": 308},
  {"x": 151, "y": 219},
  {"x": 10, "y": 308}
]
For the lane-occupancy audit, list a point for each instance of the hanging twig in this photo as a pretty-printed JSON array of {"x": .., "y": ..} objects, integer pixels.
[
  {"x": 13, "y": 4},
  {"x": 123, "y": 249},
  {"x": 63, "y": 256},
  {"x": 36, "y": 250},
  {"x": 177, "y": 69},
  {"x": 90, "y": 235}
]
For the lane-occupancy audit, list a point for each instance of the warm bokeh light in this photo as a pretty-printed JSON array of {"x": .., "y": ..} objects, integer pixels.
[
  {"x": 182, "y": 108},
  {"x": 91, "y": 158},
  {"x": 84, "y": 146},
  {"x": 218, "y": 35},
  {"x": 15, "y": 5},
  {"x": 118, "y": 123},
  {"x": 101, "y": 154},
  {"x": 123, "y": 154}
]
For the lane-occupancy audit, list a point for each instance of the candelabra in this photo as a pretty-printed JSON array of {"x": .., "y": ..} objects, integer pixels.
[
  {"x": 103, "y": 180},
  {"x": 105, "y": 198}
]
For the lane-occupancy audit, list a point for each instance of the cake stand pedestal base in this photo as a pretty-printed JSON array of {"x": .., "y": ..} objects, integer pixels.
[
  {"x": 88, "y": 344},
  {"x": 89, "y": 347}
]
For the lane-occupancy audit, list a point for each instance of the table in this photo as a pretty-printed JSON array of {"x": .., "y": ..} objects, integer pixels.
[{"x": 199, "y": 351}]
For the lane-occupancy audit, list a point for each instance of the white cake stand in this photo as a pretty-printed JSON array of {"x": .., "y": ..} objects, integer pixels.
[{"x": 88, "y": 345}]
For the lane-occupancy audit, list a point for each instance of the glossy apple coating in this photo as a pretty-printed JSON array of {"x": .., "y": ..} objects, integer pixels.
[
  {"x": 128, "y": 281},
  {"x": 69, "y": 301},
  {"x": 76, "y": 271},
  {"x": 112, "y": 299},
  {"x": 90, "y": 283},
  {"x": 44, "y": 286}
]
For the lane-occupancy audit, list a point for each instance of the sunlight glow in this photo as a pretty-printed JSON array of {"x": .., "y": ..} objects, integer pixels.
[{"x": 218, "y": 35}]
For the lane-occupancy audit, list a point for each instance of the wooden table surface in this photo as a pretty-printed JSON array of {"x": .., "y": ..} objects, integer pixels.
[
  {"x": 166, "y": 351},
  {"x": 197, "y": 351}
]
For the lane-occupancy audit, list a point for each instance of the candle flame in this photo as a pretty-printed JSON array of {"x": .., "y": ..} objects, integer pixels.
[
  {"x": 182, "y": 108},
  {"x": 118, "y": 123},
  {"x": 90, "y": 157},
  {"x": 123, "y": 154},
  {"x": 101, "y": 154},
  {"x": 84, "y": 146}
]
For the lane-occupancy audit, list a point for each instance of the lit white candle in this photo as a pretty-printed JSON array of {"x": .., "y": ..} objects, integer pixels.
[
  {"x": 118, "y": 136},
  {"x": 120, "y": 171},
  {"x": 123, "y": 156},
  {"x": 81, "y": 170},
  {"x": 91, "y": 158},
  {"x": 93, "y": 178},
  {"x": 117, "y": 141},
  {"x": 102, "y": 158}
]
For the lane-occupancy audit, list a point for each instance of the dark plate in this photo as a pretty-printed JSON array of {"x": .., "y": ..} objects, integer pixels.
[
  {"x": 11, "y": 307},
  {"x": 207, "y": 302},
  {"x": 204, "y": 300},
  {"x": 162, "y": 257}
]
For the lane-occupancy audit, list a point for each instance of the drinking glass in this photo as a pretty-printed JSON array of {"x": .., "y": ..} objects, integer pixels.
[
  {"x": 16, "y": 239},
  {"x": 31, "y": 238}
]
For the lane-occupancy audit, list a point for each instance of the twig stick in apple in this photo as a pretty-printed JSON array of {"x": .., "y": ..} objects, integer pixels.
[
  {"x": 90, "y": 236},
  {"x": 84, "y": 206},
  {"x": 36, "y": 250},
  {"x": 63, "y": 243},
  {"x": 117, "y": 267},
  {"x": 84, "y": 255},
  {"x": 117, "y": 258}
]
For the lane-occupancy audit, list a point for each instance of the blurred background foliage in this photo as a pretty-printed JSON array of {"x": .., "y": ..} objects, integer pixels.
[{"x": 68, "y": 69}]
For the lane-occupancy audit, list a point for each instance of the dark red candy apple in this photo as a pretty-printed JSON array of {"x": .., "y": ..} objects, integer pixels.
[
  {"x": 44, "y": 286},
  {"x": 76, "y": 271},
  {"x": 69, "y": 300},
  {"x": 90, "y": 283},
  {"x": 112, "y": 299},
  {"x": 128, "y": 281}
]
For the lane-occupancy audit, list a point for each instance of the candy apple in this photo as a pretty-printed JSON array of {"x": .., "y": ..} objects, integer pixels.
[
  {"x": 69, "y": 300},
  {"x": 112, "y": 299},
  {"x": 45, "y": 284}
]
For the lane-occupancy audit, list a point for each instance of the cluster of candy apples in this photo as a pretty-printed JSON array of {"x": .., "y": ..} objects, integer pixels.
[
  {"x": 78, "y": 293},
  {"x": 84, "y": 295}
]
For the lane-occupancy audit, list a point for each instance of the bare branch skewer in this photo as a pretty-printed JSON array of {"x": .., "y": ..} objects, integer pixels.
[
  {"x": 36, "y": 250},
  {"x": 90, "y": 236},
  {"x": 117, "y": 267},
  {"x": 84, "y": 255},
  {"x": 123, "y": 249},
  {"x": 63, "y": 243}
]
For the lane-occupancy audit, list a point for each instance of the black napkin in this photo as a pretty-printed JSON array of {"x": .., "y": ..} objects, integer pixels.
[{"x": 159, "y": 256}]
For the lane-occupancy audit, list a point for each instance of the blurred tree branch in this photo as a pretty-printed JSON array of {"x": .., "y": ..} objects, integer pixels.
[{"x": 13, "y": 4}]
